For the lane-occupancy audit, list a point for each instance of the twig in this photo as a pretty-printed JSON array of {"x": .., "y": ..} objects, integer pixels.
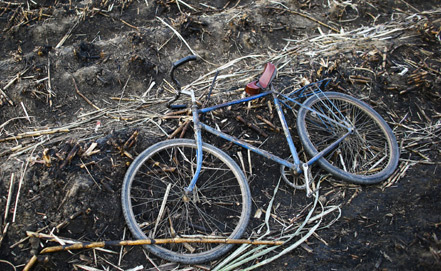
[
  {"x": 82, "y": 96},
  {"x": 161, "y": 210},
  {"x": 94, "y": 106},
  {"x": 324, "y": 213},
  {"x": 17, "y": 76},
  {"x": 85, "y": 245},
  {"x": 102, "y": 244},
  {"x": 252, "y": 126},
  {"x": 5, "y": 97},
  {"x": 179, "y": 112},
  {"x": 413, "y": 63},
  {"x": 27, "y": 237},
  {"x": 3, "y": 94},
  {"x": 249, "y": 162},
  {"x": 36, "y": 133},
  {"x": 132, "y": 26},
  {"x": 110, "y": 263},
  {"x": 123, "y": 90},
  {"x": 71, "y": 155},
  {"x": 239, "y": 154},
  {"x": 3, "y": 233},
  {"x": 185, "y": 4},
  {"x": 184, "y": 130},
  {"x": 307, "y": 17},
  {"x": 179, "y": 129},
  {"x": 177, "y": 34},
  {"x": 148, "y": 90},
  {"x": 20, "y": 183},
  {"x": 132, "y": 139},
  {"x": 159, "y": 126},
  {"x": 26, "y": 112},
  {"x": 155, "y": 266},
  {"x": 70, "y": 218},
  {"x": 11, "y": 3},
  {"x": 31, "y": 263},
  {"x": 90, "y": 174},
  {"x": 267, "y": 122},
  {"x": 179, "y": 7},
  {"x": 357, "y": 191},
  {"x": 49, "y": 85},
  {"x": 8, "y": 201},
  {"x": 87, "y": 268},
  {"x": 399, "y": 174},
  {"x": 91, "y": 150},
  {"x": 384, "y": 59},
  {"x": 409, "y": 5},
  {"x": 423, "y": 113},
  {"x": 320, "y": 239},
  {"x": 18, "y": 194},
  {"x": 13, "y": 266},
  {"x": 122, "y": 247},
  {"x": 65, "y": 37}
]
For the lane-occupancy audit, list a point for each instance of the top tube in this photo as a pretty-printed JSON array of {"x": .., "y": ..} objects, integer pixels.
[{"x": 246, "y": 99}]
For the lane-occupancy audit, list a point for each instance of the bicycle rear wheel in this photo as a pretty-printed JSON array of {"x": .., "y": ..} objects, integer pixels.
[
  {"x": 155, "y": 204},
  {"x": 369, "y": 155}
]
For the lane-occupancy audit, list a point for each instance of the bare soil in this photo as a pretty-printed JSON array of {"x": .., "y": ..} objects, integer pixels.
[{"x": 74, "y": 74}]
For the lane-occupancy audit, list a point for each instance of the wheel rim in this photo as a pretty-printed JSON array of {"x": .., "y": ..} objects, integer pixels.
[
  {"x": 216, "y": 209},
  {"x": 365, "y": 152}
]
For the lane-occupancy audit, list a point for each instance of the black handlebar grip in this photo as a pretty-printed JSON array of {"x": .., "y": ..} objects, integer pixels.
[
  {"x": 177, "y": 64},
  {"x": 177, "y": 106},
  {"x": 178, "y": 85},
  {"x": 184, "y": 60}
]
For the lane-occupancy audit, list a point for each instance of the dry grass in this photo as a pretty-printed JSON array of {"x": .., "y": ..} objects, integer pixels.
[{"x": 415, "y": 139}]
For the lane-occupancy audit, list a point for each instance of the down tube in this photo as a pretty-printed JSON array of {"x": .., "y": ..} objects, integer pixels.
[{"x": 247, "y": 146}]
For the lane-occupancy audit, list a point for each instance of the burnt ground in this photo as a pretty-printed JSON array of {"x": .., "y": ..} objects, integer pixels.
[{"x": 77, "y": 75}]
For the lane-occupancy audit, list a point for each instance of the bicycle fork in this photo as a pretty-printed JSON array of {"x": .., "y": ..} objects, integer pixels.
[
  {"x": 198, "y": 137},
  {"x": 304, "y": 167}
]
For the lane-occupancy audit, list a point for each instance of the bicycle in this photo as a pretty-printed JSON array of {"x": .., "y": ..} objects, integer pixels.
[{"x": 187, "y": 188}]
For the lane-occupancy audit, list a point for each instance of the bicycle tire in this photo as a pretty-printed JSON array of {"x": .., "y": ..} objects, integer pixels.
[
  {"x": 221, "y": 201},
  {"x": 369, "y": 155}
]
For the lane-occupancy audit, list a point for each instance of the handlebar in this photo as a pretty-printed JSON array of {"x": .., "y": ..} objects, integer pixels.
[
  {"x": 184, "y": 60},
  {"x": 175, "y": 65}
]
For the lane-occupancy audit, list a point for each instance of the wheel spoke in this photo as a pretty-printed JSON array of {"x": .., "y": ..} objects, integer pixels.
[
  {"x": 217, "y": 207},
  {"x": 368, "y": 150}
]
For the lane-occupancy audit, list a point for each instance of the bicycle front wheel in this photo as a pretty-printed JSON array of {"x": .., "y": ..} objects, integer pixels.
[
  {"x": 369, "y": 155},
  {"x": 155, "y": 204}
]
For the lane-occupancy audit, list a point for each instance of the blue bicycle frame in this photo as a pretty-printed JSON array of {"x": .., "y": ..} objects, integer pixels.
[{"x": 297, "y": 166}]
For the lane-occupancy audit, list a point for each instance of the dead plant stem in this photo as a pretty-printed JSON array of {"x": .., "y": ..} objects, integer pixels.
[
  {"x": 20, "y": 183},
  {"x": 308, "y": 17},
  {"x": 8, "y": 202}
]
